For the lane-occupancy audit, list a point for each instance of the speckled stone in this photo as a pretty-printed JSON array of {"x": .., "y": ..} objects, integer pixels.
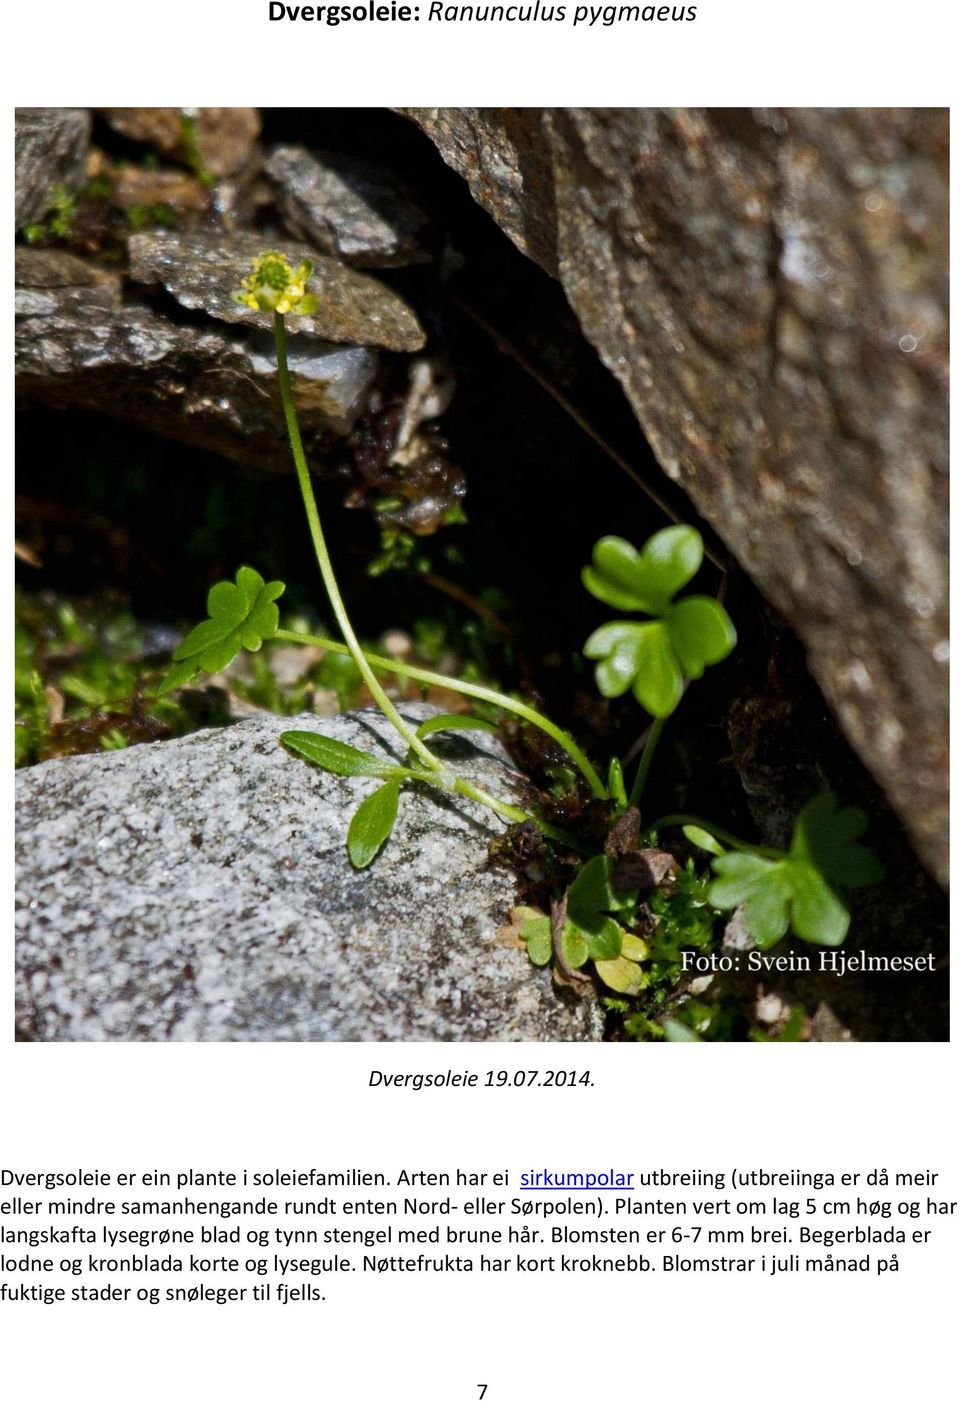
[{"x": 199, "y": 889}]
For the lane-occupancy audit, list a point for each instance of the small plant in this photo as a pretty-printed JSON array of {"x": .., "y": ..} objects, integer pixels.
[
  {"x": 685, "y": 636},
  {"x": 584, "y": 929},
  {"x": 798, "y": 888},
  {"x": 244, "y": 614},
  {"x": 58, "y": 224},
  {"x": 599, "y": 918},
  {"x": 241, "y": 615}
]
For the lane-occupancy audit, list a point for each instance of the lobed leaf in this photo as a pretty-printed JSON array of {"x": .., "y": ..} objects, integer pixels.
[
  {"x": 644, "y": 581},
  {"x": 242, "y": 614},
  {"x": 658, "y": 684},
  {"x": 739, "y": 874},
  {"x": 825, "y": 836},
  {"x": 766, "y": 910},
  {"x": 617, "y": 647},
  {"x": 592, "y": 892},
  {"x": 818, "y": 914},
  {"x": 538, "y": 935},
  {"x": 798, "y": 889},
  {"x": 615, "y": 576},
  {"x": 670, "y": 559},
  {"x": 604, "y": 938},
  {"x": 684, "y": 638}
]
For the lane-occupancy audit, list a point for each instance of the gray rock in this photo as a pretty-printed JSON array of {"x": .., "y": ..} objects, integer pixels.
[
  {"x": 213, "y": 386},
  {"x": 769, "y": 288},
  {"x": 354, "y": 211},
  {"x": 51, "y": 145},
  {"x": 203, "y": 270},
  {"x": 199, "y": 890}
]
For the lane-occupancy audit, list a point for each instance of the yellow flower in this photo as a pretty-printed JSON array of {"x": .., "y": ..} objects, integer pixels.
[{"x": 273, "y": 285}]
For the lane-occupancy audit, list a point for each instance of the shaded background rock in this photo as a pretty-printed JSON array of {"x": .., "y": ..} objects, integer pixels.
[
  {"x": 770, "y": 290},
  {"x": 220, "y": 140},
  {"x": 51, "y": 145},
  {"x": 360, "y": 214},
  {"x": 136, "y": 188},
  {"x": 200, "y": 890}
]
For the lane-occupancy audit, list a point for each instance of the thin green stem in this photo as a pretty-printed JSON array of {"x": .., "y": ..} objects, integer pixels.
[
  {"x": 646, "y": 759},
  {"x": 685, "y": 819},
  {"x": 467, "y": 688},
  {"x": 512, "y": 814},
  {"x": 436, "y": 773},
  {"x": 324, "y": 561},
  {"x": 507, "y": 811}
]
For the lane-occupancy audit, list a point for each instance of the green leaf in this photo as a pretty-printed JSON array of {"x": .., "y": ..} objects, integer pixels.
[
  {"x": 622, "y": 975},
  {"x": 798, "y": 889},
  {"x": 669, "y": 561},
  {"x": 177, "y": 676},
  {"x": 604, "y": 940},
  {"x": 615, "y": 576},
  {"x": 440, "y": 723},
  {"x": 618, "y": 646},
  {"x": 538, "y": 934},
  {"x": 592, "y": 893},
  {"x": 739, "y": 874},
  {"x": 644, "y": 582},
  {"x": 658, "y": 684},
  {"x": 703, "y": 840},
  {"x": 372, "y": 824},
  {"x": 701, "y": 633},
  {"x": 766, "y": 910},
  {"x": 616, "y": 785},
  {"x": 242, "y": 614},
  {"x": 818, "y": 914},
  {"x": 633, "y": 948},
  {"x": 575, "y": 949},
  {"x": 825, "y": 836},
  {"x": 686, "y": 637},
  {"x": 337, "y": 757}
]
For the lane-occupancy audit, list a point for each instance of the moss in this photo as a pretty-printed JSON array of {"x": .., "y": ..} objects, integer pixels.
[{"x": 84, "y": 681}]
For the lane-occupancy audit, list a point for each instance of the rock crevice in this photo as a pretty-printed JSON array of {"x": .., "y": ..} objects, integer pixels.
[{"x": 769, "y": 287}]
